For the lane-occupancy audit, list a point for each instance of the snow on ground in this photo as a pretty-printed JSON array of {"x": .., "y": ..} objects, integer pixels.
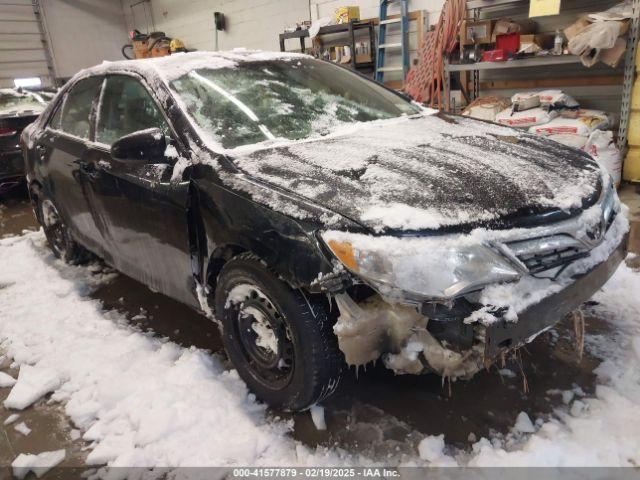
[
  {"x": 6, "y": 380},
  {"x": 139, "y": 400},
  {"x": 38, "y": 464},
  {"x": 143, "y": 401},
  {"x": 600, "y": 431}
]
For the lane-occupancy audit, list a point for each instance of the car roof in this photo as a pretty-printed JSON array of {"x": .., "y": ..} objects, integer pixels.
[{"x": 173, "y": 66}]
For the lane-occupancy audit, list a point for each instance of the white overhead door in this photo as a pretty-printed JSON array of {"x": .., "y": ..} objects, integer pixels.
[{"x": 23, "y": 47}]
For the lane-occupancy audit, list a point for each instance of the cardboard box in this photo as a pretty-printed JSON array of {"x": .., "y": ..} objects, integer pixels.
[
  {"x": 503, "y": 26},
  {"x": 476, "y": 32},
  {"x": 576, "y": 27},
  {"x": 140, "y": 48},
  {"x": 624, "y": 27},
  {"x": 530, "y": 43},
  {"x": 347, "y": 14},
  {"x": 363, "y": 58},
  {"x": 612, "y": 56}
]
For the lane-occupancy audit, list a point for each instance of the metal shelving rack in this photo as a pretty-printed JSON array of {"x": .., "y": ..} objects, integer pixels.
[
  {"x": 629, "y": 77},
  {"x": 350, "y": 29},
  {"x": 476, "y": 6}
]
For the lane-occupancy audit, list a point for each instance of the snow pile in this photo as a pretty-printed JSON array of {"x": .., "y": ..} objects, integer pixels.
[
  {"x": 140, "y": 401},
  {"x": 6, "y": 380},
  {"x": 524, "y": 424},
  {"x": 11, "y": 418},
  {"x": 317, "y": 415},
  {"x": 432, "y": 449},
  {"x": 32, "y": 384},
  {"x": 600, "y": 431},
  {"x": 38, "y": 464},
  {"x": 22, "y": 428}
]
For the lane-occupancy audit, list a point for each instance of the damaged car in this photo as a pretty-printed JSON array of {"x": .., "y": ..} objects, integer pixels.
[{"x": 320, "y": 218}]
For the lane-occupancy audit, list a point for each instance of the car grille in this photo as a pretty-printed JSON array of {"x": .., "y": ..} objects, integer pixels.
[
  {"x": 552, "y": 253},
  {"x": 538, "y": 261},
  {"x": 546, "y": 253}
]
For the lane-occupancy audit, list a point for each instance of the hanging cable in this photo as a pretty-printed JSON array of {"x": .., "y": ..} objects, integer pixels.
[{"x": 425, "y": 81}]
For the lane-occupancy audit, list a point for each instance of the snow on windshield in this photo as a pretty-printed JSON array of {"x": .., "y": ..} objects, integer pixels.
[{"x": 258, "y": 101}]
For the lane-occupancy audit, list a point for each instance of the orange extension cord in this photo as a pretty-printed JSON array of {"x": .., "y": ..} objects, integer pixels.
[{"x": 425, "y": 81}]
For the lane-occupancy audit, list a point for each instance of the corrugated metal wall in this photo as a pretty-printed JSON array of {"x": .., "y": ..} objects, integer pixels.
[{"x": 22, "y": 49}]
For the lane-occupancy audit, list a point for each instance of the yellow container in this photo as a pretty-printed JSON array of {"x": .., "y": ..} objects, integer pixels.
[
  {"x": 631, "y": 169},
  {"x": 635, "y": 94},
  {"x": 348, "y": 14},
  {"x": 633, "y": 137}
]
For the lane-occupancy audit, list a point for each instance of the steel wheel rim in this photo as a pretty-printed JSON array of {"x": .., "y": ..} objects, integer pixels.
[
  {"x": 273, "y": 369},
  {"x": 54, "y": 228}
]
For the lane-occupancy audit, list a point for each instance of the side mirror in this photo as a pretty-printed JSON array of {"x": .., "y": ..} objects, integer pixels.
[{"x": 143, "y": 146}]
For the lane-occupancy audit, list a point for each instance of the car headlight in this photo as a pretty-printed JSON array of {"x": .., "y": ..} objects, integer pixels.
[{"x": 426, "y": 267}]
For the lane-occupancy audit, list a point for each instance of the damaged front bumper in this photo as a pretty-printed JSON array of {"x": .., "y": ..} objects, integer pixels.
[
  {"x": 504, "y": 334},
  {"x": 459, "y": 338}
]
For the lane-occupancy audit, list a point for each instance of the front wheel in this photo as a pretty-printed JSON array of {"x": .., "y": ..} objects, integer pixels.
[
  {"x": 58, "y": 237},
  {"x": 280, "y": 340}
]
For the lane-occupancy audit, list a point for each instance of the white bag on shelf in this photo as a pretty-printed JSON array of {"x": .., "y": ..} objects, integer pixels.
[
  {"x": 586, "y": 122},
  {"x": 486, "y": 108},
  {"x": 570, "y": 140},
  {"x": 598, "y": 35},
  {"x": 557, "y": 98},
  {"x": 602, "y": 148},
  {"x": 526, "y": 118},
  {"x": 525, "y": 101}
]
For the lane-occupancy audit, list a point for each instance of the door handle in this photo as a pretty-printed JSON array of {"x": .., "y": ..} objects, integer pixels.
[
  {"x": 87, "y": 168},
  {"x": 42, "y": 151}
]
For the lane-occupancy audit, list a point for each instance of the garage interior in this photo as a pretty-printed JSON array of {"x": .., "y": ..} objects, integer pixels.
[{"x": 563, "y": 69}]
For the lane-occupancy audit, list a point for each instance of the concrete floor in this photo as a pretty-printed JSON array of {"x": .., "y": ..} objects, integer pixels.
[{"x": 377, "y": 413}]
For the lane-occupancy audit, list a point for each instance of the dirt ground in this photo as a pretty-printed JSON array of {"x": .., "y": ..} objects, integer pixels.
[{"x": 375, "y": 412}]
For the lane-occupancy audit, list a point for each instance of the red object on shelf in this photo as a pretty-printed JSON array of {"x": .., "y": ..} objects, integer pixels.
[
  {"x": 508, "y": 42},
  {"x": 493, "y": 56}
]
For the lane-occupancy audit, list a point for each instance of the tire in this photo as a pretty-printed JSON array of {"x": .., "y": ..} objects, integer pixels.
[
  {"x": 280, "y": 340},
  {"x": 58, "y": 237}
]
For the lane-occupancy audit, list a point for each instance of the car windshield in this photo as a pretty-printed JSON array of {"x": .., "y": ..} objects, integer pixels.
[
  {"x": 15, "y": 101},
  {"x": 259, "y": 101}
]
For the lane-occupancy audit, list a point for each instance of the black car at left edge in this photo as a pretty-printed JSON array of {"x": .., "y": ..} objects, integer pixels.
[{"x": 18, "y": 108}]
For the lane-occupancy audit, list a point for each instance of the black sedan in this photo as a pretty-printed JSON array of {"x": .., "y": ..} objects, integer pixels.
[
  {"x": 322, "y": 219},
  {"x": 18, "y": 108}
]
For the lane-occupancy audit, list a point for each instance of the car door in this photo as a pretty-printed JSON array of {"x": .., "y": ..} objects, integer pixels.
[
  {"x": 142, "y": 213},
  {"x": 62, "y": 150}
]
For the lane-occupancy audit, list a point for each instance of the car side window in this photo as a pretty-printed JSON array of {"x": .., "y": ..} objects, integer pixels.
[
  {"x": 55, "y": 120},
  {"x": 76, "y": 111},
  {"x": 126, "y": 107}
]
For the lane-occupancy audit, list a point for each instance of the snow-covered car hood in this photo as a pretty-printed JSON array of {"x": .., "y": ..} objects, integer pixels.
[
  {"x": 429, "y": 172},
  {"x": 34, "y": 106},
  {"x": 22, "y": 112}
]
